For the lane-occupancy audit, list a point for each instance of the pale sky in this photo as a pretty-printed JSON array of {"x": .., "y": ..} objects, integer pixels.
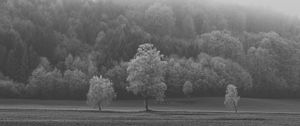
[{"x": 290, "y": 7}]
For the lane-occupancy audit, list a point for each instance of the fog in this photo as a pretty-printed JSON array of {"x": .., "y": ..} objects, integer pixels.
[{"x": 289, "y": 7}]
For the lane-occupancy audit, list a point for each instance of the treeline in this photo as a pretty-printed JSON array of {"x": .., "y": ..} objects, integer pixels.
[{"x": 51, "y": 48}]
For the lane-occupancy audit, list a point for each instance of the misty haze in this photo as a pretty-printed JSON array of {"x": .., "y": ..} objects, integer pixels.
[{"x": 149, "y": 62}]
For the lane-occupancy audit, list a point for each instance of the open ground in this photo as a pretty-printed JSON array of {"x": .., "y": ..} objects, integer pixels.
[{"x": 173, "y": 112}]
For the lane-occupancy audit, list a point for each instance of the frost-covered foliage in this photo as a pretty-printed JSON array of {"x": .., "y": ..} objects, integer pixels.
[
  {"x": 85, "y": 65},
  {"x": 223, "y": 44},
  {"x": 46, "y": 84},
  {"x": 231, "y": 97},
  {"x": 146, "y": 74},
  {"x": 101, "y": 92},
  {"x": 118, "y": 75},
  {"x": 187, "y": 88},
  {"x": 10, "y": 89},
  {"x": 93, "y": 36},
  {"x": 159, "y": 19},
  {"x": 209, "y": 75}
]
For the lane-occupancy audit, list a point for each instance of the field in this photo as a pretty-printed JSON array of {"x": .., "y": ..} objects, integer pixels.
[{"x": 174, "y": 112}]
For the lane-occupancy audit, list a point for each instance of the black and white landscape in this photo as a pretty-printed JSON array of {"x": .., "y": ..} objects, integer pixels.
[{"x": 149, "y": 63}]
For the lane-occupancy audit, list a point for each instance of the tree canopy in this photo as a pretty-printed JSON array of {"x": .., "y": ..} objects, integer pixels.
[
  {"x": 209, "y": 44},
  {"x": 146, "y": 74}
]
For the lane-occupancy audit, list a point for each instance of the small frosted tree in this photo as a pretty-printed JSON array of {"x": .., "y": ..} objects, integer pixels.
[
  {"x": 187, "y": 88},
  {"x": 145, "y": 74},
  {"x": 231, "y": 97},
  {"x": 100, "y": 93}
]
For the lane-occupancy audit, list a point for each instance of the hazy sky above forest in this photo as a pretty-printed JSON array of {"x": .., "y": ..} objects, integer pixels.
[{"x": 290, "y": 7}]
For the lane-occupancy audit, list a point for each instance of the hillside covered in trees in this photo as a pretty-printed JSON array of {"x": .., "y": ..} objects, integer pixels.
[{"x": 51, "y": 48}]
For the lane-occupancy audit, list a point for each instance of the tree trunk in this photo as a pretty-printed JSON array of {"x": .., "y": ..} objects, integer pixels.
[
  {"x": 99, "y": 107},
  {"x": 146, "y": 104},
  {"x": 235, "y": 107}
]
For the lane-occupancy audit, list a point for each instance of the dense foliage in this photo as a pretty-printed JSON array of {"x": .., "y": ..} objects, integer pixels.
[
  {"x": 146, "y": 74},
  {"x": 101, "y": 92},
  {"x": 208, "y": 44}
]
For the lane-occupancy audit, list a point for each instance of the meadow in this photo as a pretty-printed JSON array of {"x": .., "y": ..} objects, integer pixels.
[{"x": 173, "y": 112}]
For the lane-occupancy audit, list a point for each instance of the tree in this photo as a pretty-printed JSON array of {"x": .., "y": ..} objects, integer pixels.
[
  {"x": 120, "y": 43},
  {"x": 33, "y": 59},
  {"x": 3, "y": 53},
  {"x": 187, "y": 88},
  {"x": 223, "y": 44},
  {"x": 11, "y": 89},
  {"x": 85, "y": 64},
  {"x": 24, "y": 66},
  {"x": 159, "y": 19},
  {"x": 218, "y": 73},
  {"x": 44, "y": 62},
  {"x": 146, "y": 74},
  {"x": 77, "y": 83},
  {"x": 112, "y": 30},
  {"x": 231, "y": 97},
  {"x": 91, "y": 68},
  {"x": 34, "y": 86},
  {"x": 11, "y": 66},
  {"x": 69, "y": 62},
  {"x": 262, "y": 66},
  {"x": 118, "y": 75},
  {"x": 230, "y": 72},
  {"x": 101, "y": 92},
  {"x": 188, "y": 26},
  {"x": 175, "y": 76},
  {"x": 46, "y": 84}
]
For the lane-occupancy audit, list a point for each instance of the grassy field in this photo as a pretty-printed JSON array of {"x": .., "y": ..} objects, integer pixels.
[{"x": 174, "y": 112}]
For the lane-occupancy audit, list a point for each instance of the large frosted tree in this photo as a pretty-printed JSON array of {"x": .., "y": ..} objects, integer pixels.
[{"x": 146, "y": 74}]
